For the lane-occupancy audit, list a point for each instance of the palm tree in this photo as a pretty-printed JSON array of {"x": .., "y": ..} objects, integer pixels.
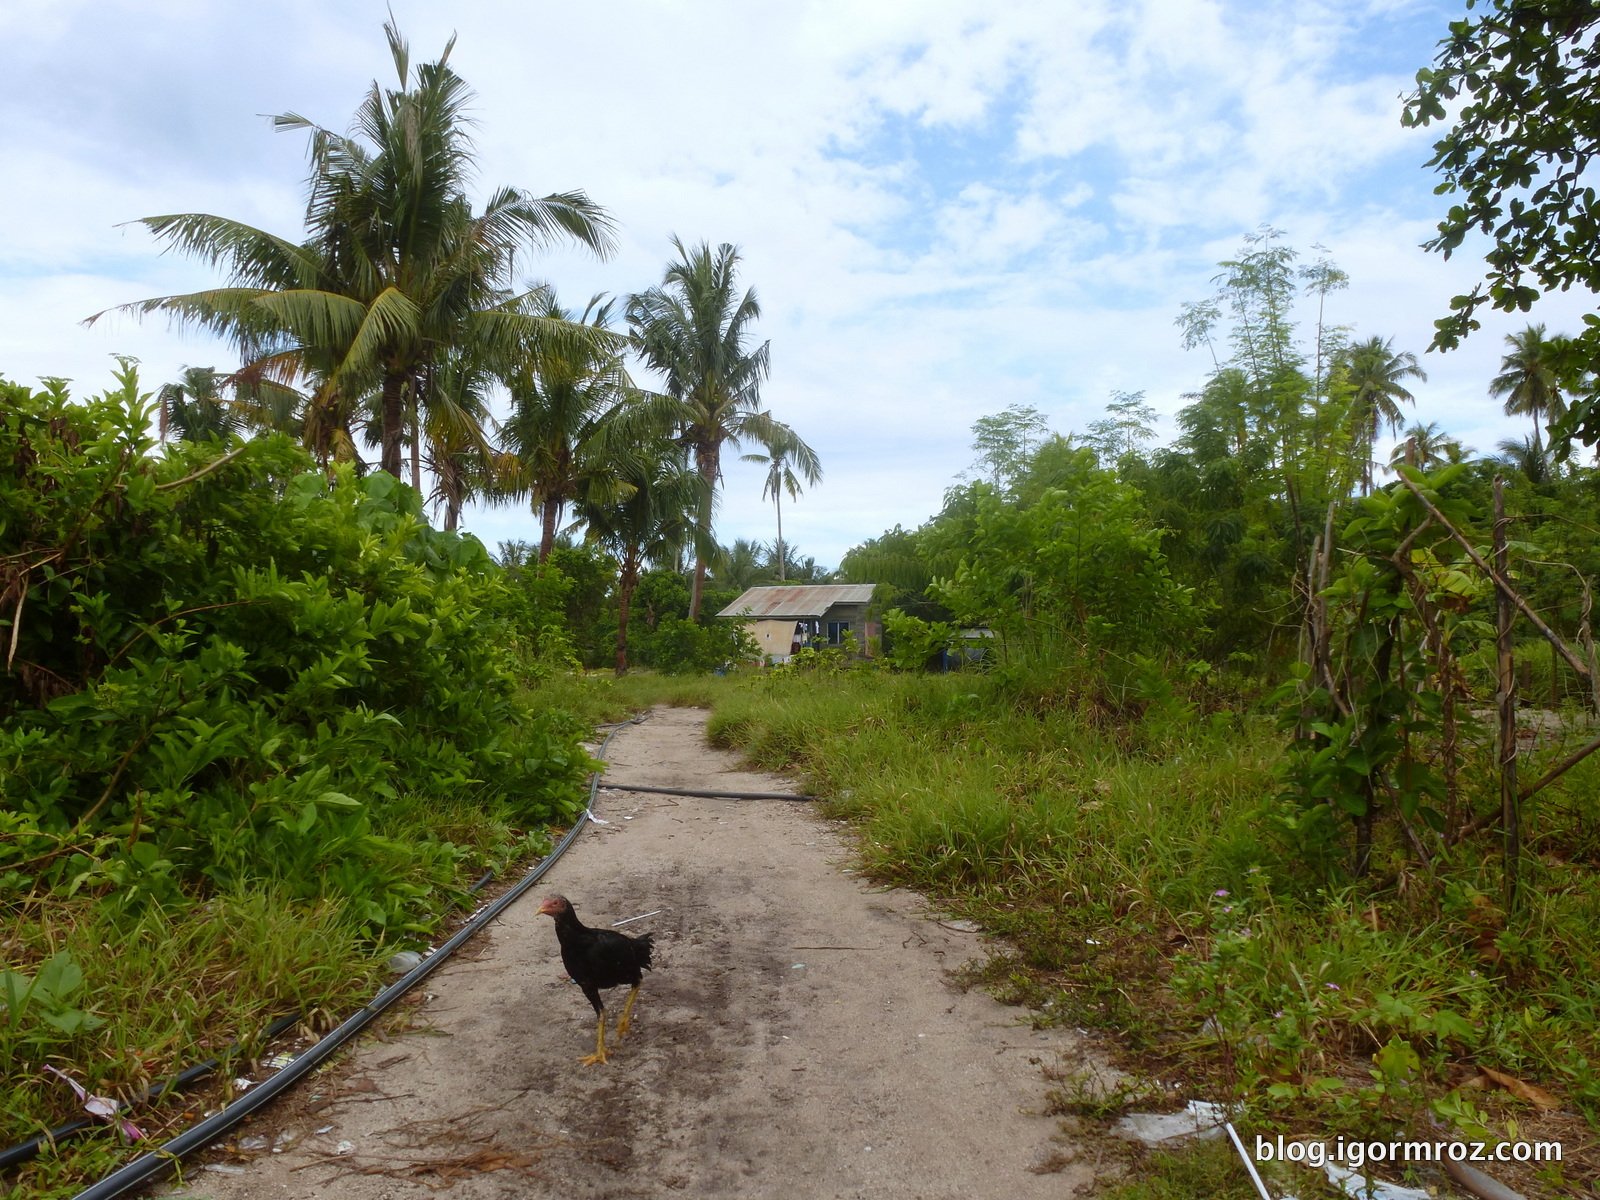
[
  {"x": 1373, "y": 372},
  {"x": 1526, "y": 457},
  {"x": 460, "y": 457},
  {"x": 694, "y": 328},
  {"x": 1529, "y": 380},
  {"x": 194, "y": 408},
  {"x": 567, "y": 398},
  {"x": 741, "y": 565},
  {"x": 780, "y": 478},
  {"x": 1425, "y": 447},
  {"x": 649, "y": 523},
  {"x": 395, "y": 268}
]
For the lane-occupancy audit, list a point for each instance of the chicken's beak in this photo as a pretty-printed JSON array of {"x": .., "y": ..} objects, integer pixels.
[{"x": 547, "y": 907}]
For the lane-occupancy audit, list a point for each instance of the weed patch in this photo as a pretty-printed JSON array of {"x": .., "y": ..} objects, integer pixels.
[{"x": 1145, "y": 887}]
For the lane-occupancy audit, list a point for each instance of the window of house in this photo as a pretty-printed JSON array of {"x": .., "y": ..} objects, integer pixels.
[{"x": 836, "y": 631}]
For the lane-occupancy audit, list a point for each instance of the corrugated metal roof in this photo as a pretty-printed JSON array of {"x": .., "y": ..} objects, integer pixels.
[{"x": 796, "y": 600}]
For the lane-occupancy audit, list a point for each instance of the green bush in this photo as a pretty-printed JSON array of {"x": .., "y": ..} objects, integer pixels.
[
  {"x": 227, "y": 666},
  {"x": 679, "y": 646}
]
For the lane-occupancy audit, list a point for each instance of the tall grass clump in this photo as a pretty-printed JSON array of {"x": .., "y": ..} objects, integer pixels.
[{"x": 1128, "y": 841}]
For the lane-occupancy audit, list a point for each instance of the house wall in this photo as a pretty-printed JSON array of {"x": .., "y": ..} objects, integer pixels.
[
  {"x": 777, "y": 635},
  {"x": 773, "y": 637}
]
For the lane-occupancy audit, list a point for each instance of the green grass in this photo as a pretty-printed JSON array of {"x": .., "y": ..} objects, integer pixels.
[
  {"x": 162, "y": 989},
  {"x": 1134, "y": 855},
  {"x": 1211, "y": 1169},
  {"x": 142, "y": 990},
  {"x": 640, "y": 690}
]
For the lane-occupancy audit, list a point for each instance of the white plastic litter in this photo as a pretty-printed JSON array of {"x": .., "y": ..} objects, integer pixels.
[
  {"x": 403, "y": 962},
  {"x": 1358, "y": 1186},
  {"x": 1199, "y": 1118}
]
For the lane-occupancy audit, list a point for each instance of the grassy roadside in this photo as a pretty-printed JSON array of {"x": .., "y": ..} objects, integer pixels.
[
  {"x": 1135, "y": 858},
  {"x": 120, "y": 991}
]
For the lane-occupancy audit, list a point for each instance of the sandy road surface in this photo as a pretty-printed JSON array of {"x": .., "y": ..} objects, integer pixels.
[{"x": 799, "y": 1038}]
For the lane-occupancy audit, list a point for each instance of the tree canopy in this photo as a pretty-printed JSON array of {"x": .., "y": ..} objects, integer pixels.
[{"x": 1519, "y": 85}]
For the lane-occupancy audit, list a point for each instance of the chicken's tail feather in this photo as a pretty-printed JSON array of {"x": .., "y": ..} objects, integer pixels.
[{"x": 643, "y": 947}]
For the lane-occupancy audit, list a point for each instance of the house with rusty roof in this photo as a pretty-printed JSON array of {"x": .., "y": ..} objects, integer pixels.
[{"x": 784, "y": 617}]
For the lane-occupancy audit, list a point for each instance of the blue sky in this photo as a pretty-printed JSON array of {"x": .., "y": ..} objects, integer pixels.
[{"x": 945, "y": 207}]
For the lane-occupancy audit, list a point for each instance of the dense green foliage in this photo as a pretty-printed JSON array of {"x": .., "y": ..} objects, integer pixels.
[
  {"x": 255, "y": 720},
  {"x": 1517, "y": 85},
  {"x": 224, "y": 664}
]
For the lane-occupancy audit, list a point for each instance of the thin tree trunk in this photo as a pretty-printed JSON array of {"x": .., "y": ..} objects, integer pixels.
[
  {"x": 319, "y": 423},
  {"x": 777, "y": 499},
  {"x": 416, "y": 451},
  {"x": 1366, "y": 820},
  {"x": 627, "y": 580},
  {"x": 392, "y": 420},
  {"x": 453, "y": 501},
  {"x": 708, "y": 460},
  {"x": 1510, "y": 816}
]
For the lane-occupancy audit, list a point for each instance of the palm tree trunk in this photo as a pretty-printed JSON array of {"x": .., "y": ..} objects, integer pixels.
[
  {"x": 707, "y": 460},
  {"x": 392, "y": 420},
  {"x": 1369, "y": 438},
  {"x": 416, "y": 451},
  {"x": 777, "y": 499},
  {"x": 453, "y": 495},
  {"x": 627, "y": 580},
  {"x": 547, "y": 536}
]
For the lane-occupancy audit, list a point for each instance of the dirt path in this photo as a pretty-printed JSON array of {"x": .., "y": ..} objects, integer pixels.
[{"x": 799, "y": 1038}]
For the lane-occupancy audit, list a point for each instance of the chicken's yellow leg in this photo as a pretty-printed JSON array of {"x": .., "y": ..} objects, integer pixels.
[
  {"x": 627, "y": 1010},
  {"x": 599, "y": 1055}
]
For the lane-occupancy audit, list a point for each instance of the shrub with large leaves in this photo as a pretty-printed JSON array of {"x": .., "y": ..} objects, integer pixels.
[{"x": 222, "y": 665}]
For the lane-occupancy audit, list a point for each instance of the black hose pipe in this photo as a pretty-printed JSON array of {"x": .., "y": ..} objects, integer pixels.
[{"x": 701, "y": 792}]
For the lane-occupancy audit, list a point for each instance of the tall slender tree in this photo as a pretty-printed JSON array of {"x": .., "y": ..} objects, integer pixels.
[
  {"x": 1530, "y": 381},
  {"x": 695, "y": 328},
  {"x": 1374, "y": 372},
  {"x": 194, "y": 407},
  {"x": 460, "y": 456},
  {"x": 650, "y": 522},
  {"x": 780, "y": 478},
  {"x": 1526, "y": 457},
  {"x": 1425, "y": 447}
]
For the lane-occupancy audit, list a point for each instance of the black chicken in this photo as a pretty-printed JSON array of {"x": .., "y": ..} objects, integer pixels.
[{"x": 599, "y": 958}]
